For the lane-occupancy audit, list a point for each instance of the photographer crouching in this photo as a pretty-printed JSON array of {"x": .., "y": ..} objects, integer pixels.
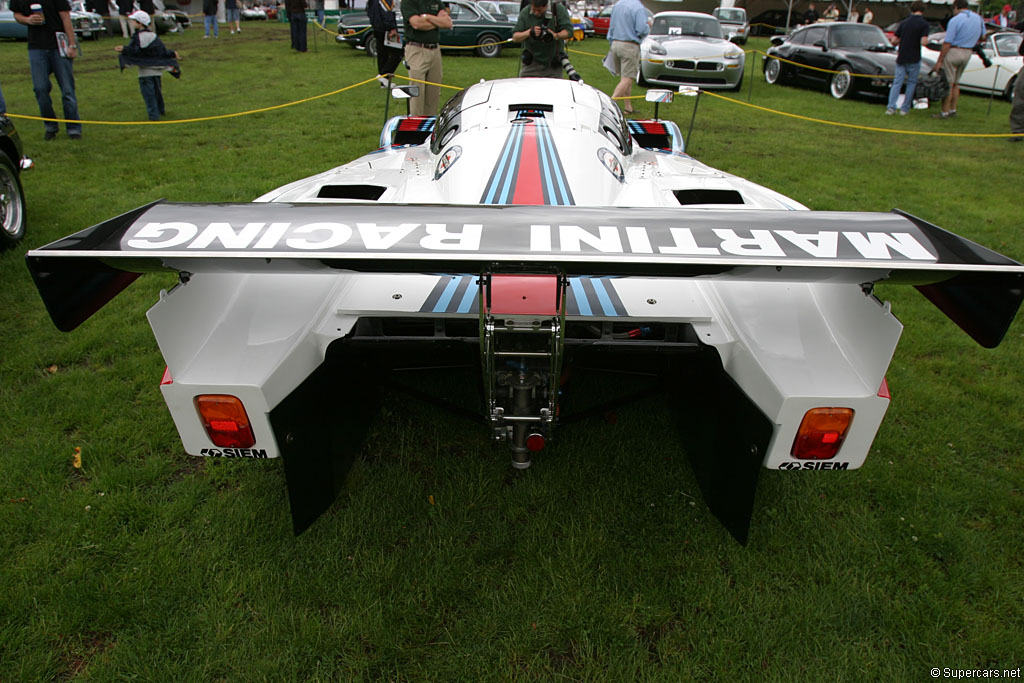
[{"x": 542, "y": 29}]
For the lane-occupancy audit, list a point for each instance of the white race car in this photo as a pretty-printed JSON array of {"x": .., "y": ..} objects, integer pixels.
[{"x": 529, "y": 242}]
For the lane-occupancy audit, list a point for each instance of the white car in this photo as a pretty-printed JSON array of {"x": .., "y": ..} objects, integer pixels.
[
  {"x": 689, "y": 48},
  {"x": 531, "y": 242},
  {"x": 509, "y": 10},
  {"x": 734, "y": 23},
  {"x": 253, "y": 13},
  {"x": 1002, "y": 51}
]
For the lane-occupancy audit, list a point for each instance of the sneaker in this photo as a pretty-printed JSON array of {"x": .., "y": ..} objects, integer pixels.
[
  {"x": 49, "y": 135},
  {"x": 941, "y": 115},
  {"x": 890, "y": 111},
  {"x": 903, "y": 112},
  {"x": 232, "y": 32},
  {"x": 206, "y": 36},
  {"x": 75, "y": 136},
  {"x": 952, "y": 113}
]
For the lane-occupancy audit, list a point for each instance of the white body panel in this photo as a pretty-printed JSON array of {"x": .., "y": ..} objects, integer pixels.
[{"x": 790, "y": 346}]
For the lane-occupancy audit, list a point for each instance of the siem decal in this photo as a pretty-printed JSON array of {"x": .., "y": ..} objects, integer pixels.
[
  {"x": 259, "y": 453},
  {"x": 814, "y": 465}
]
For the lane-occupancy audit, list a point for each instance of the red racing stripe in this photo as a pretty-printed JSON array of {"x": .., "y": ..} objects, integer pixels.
[{"x": 528, "y": 188}]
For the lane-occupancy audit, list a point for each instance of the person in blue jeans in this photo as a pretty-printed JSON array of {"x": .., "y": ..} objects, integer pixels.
[
  {"x": 210, "y": 18},
  {"x": 46, "y": 19},
  {"x": 147, "y": 52},
  {"x": 911, "y": 32}
]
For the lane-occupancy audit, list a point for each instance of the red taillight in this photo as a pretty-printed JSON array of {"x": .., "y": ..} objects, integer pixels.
[
  {"x": 225, "y": 420},
  {"x": 535, "y": 442},
  {"x": 821, "y": 433},
  {"x": 883, "y": 391}
]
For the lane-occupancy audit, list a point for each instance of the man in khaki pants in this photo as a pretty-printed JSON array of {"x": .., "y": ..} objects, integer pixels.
[{"x": 424, "y": 20}]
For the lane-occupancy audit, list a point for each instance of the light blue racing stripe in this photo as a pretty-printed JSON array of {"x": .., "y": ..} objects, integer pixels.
[
  {"x": 556, "y": 163},
  {"x": 500, "y": 168},
  {"x": 543, "y": 154},
  {"x": 602, "y": 295},
  {"x": 517, "y": 137},
  {"x": 581, "y": 296},
  {"x": 468, "y": 295},
  {"x": 446, "y": 296}
]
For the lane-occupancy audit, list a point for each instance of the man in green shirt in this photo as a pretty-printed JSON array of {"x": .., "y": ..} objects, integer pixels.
[
  {"x": 543, "y": 29},
  {"x": 424, "y": 20}
]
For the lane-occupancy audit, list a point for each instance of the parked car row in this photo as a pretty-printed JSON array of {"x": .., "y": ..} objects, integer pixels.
[
  {"x": 90, "y": 25},
  {"x": 87, "y": 25},
  {"x": 472, "y": 25}
]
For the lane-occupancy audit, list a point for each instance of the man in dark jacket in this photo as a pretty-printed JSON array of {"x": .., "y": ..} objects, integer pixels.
[
  {"x": 385, "y": 29},
  {"x": 297, "y": 21},
  {"x": 210, "y": 18},
  {"x": 909, "y": 36},
  {"x": 51, "y": 47}
]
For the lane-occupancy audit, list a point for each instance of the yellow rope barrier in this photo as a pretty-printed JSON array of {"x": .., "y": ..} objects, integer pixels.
[
  {"x": 416, "y": 80},
  {"x": 201, "y": 118},
  {"x": 815, "y": 68},
  {"x": 854, "y": 126}
]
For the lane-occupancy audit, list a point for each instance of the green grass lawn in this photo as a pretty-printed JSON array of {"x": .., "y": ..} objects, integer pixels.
[{"x": 438, "y": 562}]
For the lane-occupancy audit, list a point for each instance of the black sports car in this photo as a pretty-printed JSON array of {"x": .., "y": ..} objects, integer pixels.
[
  {"x": 12, "y": 198},
  {"x": 842, "y": 57}
]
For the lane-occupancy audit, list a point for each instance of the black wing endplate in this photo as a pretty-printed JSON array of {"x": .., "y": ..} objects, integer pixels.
[{"x": 979, "y": 289}]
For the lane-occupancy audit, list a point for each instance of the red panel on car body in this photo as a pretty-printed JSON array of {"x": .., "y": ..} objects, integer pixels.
[{"x": 524, "y": 294}]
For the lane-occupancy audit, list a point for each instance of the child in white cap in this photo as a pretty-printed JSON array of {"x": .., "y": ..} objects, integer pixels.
[{"x": 147, "y": 52}]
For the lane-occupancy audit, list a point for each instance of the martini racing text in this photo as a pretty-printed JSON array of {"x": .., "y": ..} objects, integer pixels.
[{"x": 701, "y": 241}]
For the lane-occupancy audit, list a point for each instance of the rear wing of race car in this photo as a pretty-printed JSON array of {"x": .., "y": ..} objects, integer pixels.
[{"x": 979, "y": 289}]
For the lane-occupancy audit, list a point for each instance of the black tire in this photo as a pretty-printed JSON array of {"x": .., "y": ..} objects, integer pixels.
[
  {"x": 640, "y": 80},
  {"x": 1008, "y": 93},
  {"x": 739, "y": 84},
  {"x": 841, "y": 83},
  {"x": 490, "y": 46},
  {"x": 772, "y": 71},
  {"x": 12, "y": 204},
  {"x": 371, "y": 45}
]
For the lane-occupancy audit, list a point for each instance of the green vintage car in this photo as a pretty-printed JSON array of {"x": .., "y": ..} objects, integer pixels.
[{"x": 471, "y": 26}]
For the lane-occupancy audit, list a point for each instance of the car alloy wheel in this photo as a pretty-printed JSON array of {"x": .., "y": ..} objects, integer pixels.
[
  {"x": 841, "y": 83},
  {"x": 490, "y": 46},
  {"x": 12, "y": 204},
  {"x": 772, "y": 71}
]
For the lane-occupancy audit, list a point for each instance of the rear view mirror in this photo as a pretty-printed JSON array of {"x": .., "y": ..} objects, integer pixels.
[
  {"x": 659, "y": 96},
  {"x": 404, "y": 92}
]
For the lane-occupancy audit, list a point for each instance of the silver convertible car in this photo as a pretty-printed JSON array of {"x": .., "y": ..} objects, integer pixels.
[{"x": 688, "y": 48}]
